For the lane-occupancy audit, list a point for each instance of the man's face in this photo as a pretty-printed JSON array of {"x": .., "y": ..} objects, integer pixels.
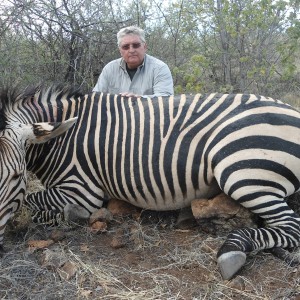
[{"x": 132, "y": 50}]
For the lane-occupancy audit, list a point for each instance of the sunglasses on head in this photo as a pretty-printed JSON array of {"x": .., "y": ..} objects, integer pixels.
[{"x": 134, "y": 46}]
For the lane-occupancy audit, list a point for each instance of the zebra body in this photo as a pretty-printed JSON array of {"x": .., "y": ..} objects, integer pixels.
[
  {"x": 98, "y": 156},
  {"x": 162, "y": 153}
]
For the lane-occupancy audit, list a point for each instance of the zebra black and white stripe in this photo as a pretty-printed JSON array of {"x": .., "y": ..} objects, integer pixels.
[
  {"x": 162, "y": 153},
  {"x": 15, "y": 136}
]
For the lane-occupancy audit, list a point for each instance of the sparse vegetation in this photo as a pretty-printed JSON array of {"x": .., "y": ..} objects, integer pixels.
[
  {"x": 156, "y": 260},
  {"x": 210, "y": 46}
]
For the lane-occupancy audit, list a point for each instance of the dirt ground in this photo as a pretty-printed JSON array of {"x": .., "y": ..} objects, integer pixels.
[{"x": 135, "y": 257}]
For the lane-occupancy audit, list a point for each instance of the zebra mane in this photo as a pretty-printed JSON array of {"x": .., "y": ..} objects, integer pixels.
[
  {"x": 11, "y": 95},
  {"x": 7, "y": 96},
  {"x": 61, "y": 90},
  {"x": 57, "y": 89}
]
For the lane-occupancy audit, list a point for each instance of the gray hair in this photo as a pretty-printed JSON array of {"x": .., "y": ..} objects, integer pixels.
[{"x": 134, "y": 30}]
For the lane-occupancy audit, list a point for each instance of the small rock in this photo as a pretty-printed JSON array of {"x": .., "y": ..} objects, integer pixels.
[
  {"x": 237, "y": 283},
  {"x": 132, "y": 259},
  {"x": 86, "y": 293},
  {"x": 57, "y": 235},
  {"x": 68, "y": 270},
  {"x": 119, "y": 239},
  {"x": 39, "y": 244},
  {"x": 221, "y": 214},
  {"x": 121, "y": 208},
  {"x": 98, "y": 226},
  {"x": 84, "y": 248},
  {"x": 220, "y": 206},
  {"x": 102, "y": 214},
  {"x": 117, "y": 243},
  {"x": 52, "y": 259}
]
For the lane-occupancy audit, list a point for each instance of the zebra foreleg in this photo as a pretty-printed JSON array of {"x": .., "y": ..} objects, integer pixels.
[
  {"x": 48, "y": 217},
  {"x": 54, "y": 205},
  {"x": 232, "y": 255},
  {"x": 73, "y": 213}
]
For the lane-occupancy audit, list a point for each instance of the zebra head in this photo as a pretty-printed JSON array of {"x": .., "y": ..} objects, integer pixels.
[{"x": 15, "y": 137}]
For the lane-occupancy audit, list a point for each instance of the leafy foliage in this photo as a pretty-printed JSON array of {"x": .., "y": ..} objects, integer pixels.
[{"x": 211, "y": 45}]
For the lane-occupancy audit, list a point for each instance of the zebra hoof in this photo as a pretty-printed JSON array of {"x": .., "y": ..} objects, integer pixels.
[
  {"x": 75, "y": 213},
  {"x": 229, "y": 263}
]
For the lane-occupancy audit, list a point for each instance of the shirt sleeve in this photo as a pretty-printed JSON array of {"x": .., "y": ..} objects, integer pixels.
[
  {"x": 162, "y": 82},
  {"x": 102, "y": 83}
]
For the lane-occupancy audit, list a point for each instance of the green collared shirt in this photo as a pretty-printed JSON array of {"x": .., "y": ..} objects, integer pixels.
[{"x": 152, "y": 78}]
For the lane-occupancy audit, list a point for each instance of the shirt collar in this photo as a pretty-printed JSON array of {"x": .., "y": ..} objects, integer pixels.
[{"x": 123, "y": 63}]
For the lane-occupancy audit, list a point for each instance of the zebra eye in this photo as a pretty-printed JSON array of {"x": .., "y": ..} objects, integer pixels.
[{"x": 17, "y": 174}]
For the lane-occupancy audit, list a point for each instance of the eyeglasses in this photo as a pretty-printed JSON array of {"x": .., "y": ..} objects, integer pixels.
[{"x": 134, "y": 46}]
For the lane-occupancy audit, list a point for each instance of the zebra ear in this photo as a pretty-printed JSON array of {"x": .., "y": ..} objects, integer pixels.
[{"x": 42, "y": 132}]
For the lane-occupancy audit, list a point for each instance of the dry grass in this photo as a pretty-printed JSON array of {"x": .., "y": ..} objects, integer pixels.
[{"x": 156, "y": 261}]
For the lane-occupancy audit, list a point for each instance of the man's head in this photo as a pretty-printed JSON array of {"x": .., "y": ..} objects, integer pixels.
[{"x": 132, "y": 45}]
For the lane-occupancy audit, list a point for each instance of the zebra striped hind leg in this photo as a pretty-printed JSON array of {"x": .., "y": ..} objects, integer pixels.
[
  {"x": 282, "y": 231},
  {"x": 286, "y": 256}
]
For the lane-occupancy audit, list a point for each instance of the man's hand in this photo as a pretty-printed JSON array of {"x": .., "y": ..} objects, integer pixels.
[{"x": 129, "y": 94}]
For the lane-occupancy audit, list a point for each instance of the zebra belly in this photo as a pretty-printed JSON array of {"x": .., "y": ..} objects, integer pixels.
[{"x": 161, "y": 201}]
